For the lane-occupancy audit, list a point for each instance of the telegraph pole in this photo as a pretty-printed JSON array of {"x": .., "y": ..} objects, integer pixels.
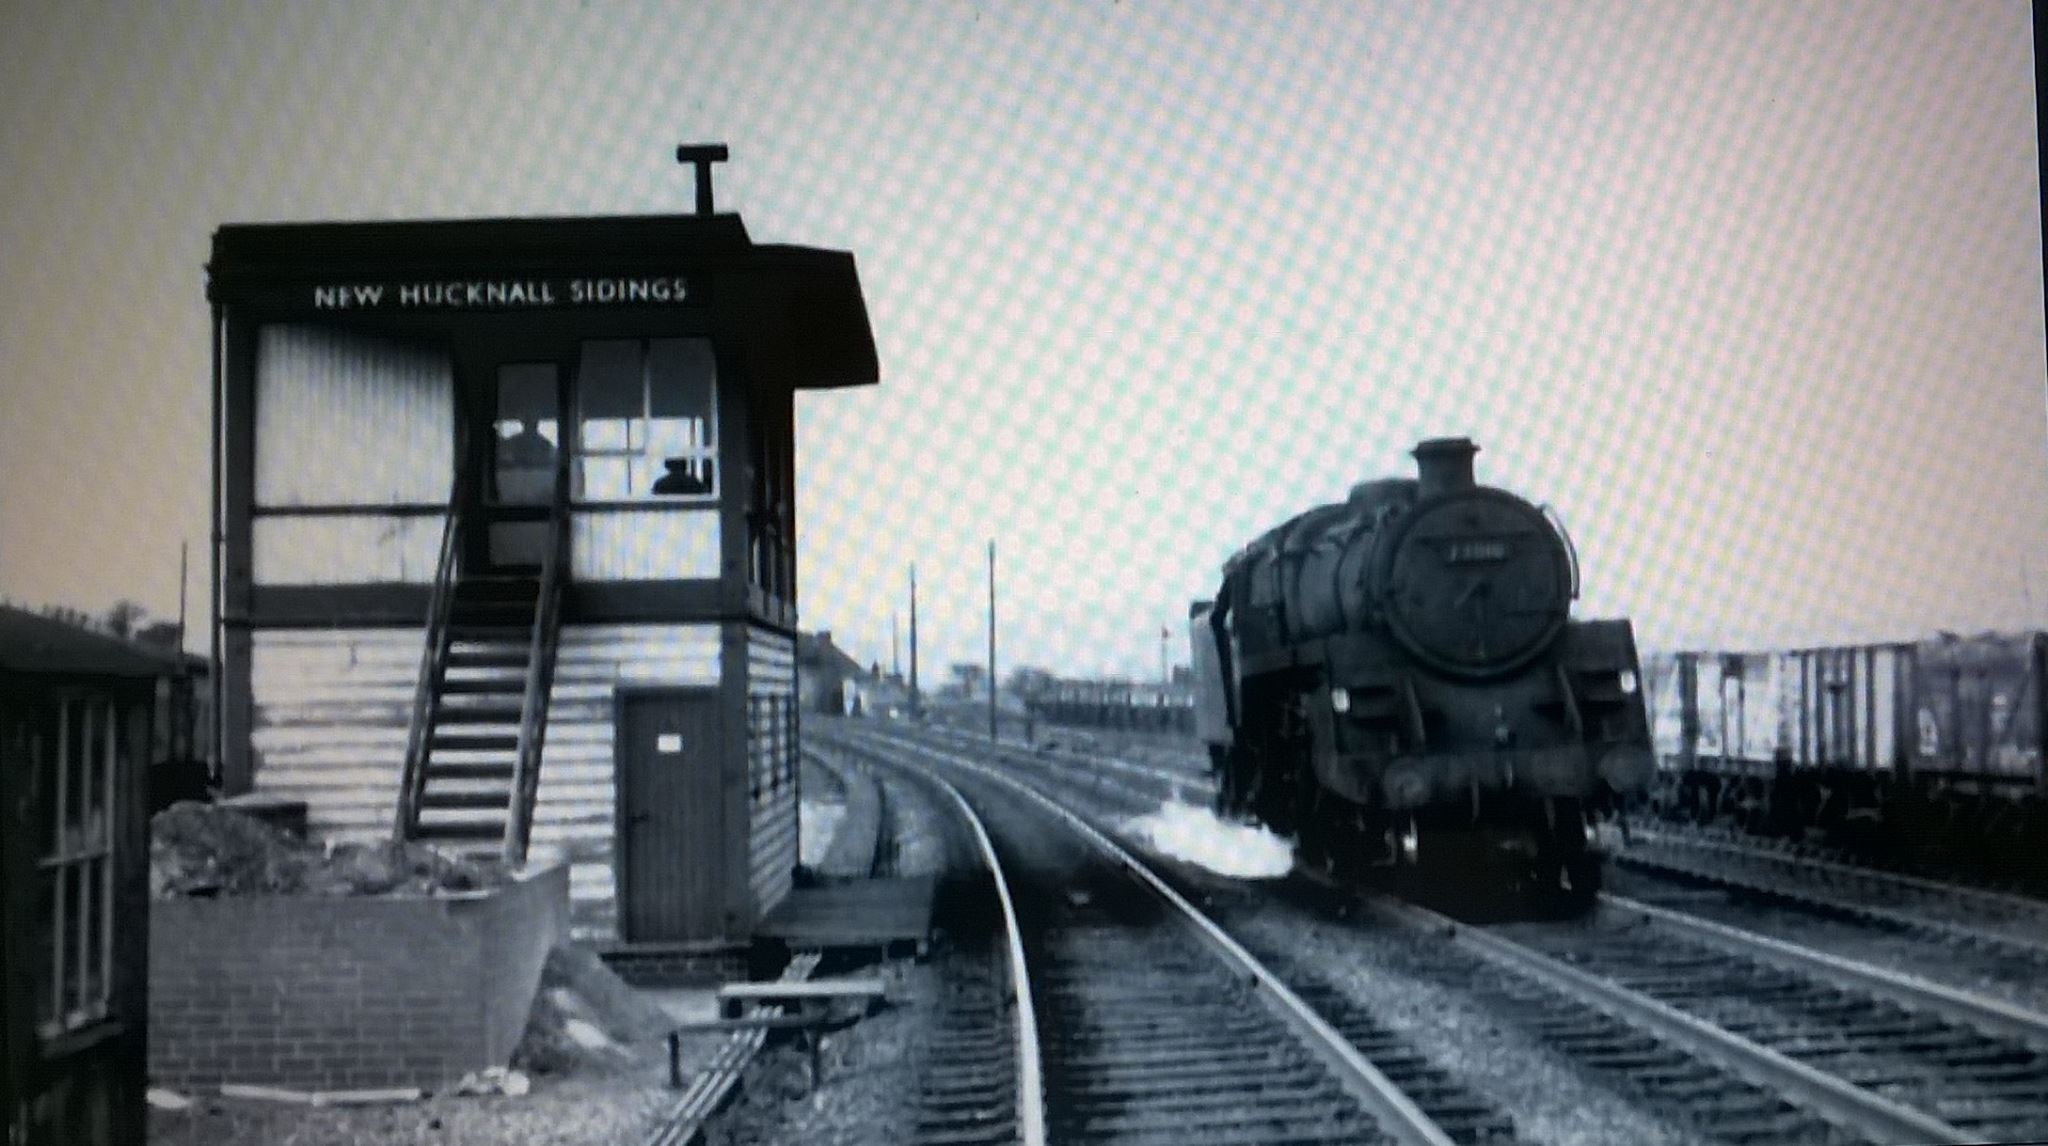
[
  {"x": 184, "y": 551},
  {"x": 916, "y": 705},
  {"x": 992, "y": 640}
]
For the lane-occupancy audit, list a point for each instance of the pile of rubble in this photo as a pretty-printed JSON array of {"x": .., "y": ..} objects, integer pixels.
[
  {"x": 586, "y": 1019},
  {"x": 199, "y": 849}
]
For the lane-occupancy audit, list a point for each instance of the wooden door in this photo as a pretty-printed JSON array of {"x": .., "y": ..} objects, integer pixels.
[{"x": 673, "y": 830}]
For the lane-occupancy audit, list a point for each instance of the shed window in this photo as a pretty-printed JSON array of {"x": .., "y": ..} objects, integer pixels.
[
  {"x": 648, "y": 416},
  {"x": 73, "y": 753}
]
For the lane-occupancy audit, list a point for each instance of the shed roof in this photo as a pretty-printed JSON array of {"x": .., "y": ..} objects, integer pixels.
[
  {"x": 817, "y": 649},
  {"x": 33, "y": 643}
]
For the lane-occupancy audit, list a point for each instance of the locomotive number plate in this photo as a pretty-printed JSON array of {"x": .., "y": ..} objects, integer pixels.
[{"x": 1475, "y": 552}]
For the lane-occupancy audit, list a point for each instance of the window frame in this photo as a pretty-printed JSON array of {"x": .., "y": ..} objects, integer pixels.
[
  {"x": 640, "y": 428},
  {"x": 78, "y": 994}
]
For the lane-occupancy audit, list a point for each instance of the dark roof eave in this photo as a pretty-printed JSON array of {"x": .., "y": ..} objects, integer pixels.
[{"x": 33, "y": 644}]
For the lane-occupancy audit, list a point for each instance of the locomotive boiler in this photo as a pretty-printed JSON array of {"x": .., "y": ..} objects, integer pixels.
[{"x": 1397, "y": 680}]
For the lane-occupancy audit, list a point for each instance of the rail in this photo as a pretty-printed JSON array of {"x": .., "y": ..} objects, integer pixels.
[
  {"x": 1872, "y": 1115},
  {"x": 1907, "y": 990},
  {"x": 540, "y": 677},
  {"x": 434, "y": 657},
  {"x": 1030, "y": 1077},
  {"x": 1853, "y": 906}
]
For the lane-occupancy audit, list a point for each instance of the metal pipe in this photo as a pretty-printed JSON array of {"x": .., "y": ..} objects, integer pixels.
[
  {"x": 216, "y": 716},
  {"x": 916, "y": 703},
  {"x": 992, "y": 640}
]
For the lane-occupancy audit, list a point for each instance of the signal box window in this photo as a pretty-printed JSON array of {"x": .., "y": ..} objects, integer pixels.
[
  {"x": 648, "y": 412},
  {"x": 73, "y": 750}
]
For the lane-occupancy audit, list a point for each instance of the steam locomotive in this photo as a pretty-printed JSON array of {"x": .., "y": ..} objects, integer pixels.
[{"x": 1396, "y": 682}]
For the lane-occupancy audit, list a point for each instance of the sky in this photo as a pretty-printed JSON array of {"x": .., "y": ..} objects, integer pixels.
[{"x": 1750, "y": 293}]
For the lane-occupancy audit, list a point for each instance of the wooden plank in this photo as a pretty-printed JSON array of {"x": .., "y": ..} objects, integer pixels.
[
  {"x": 861, "y": 913},
  {"x": 804, "y": 989}
]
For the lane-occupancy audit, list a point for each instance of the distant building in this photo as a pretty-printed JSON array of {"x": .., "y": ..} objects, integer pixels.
[
  {"x": 827, "y": 679},
  {"x": 970, "y": 681},
  {"x": 888, "y": 695}
]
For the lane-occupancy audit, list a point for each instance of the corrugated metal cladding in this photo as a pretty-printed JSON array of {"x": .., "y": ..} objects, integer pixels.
[
  {"x": 393, "y": 403},
  {"x": 346, "y": 549},
  {"x": 643, "y": 545},
  {"x": 771, "y": 767},
  {"x": 331, "y": 713}
]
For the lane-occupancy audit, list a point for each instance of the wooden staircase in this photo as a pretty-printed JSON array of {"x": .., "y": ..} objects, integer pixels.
[{"x": 472, "y": 765}]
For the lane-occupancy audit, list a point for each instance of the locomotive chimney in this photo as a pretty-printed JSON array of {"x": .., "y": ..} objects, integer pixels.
[{"x": 1444, "y": 465}]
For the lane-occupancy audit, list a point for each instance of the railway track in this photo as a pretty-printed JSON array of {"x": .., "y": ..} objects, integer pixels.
[
  {"x": 1990, "y": 935},
  {"x": 1156, "y": 1027},
  {"x": 1898, "y": 1060},
  {"x": 980, "y": 1083},
  {"x": 2011, "y": 927},
  {"x": 1754, "y": 1039}
]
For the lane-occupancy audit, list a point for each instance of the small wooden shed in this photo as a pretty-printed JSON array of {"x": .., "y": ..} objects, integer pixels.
[{"x": 75, "y": 729}]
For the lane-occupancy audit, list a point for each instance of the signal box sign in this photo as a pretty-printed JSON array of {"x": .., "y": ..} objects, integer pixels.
[{"x": 501, "y": 294}]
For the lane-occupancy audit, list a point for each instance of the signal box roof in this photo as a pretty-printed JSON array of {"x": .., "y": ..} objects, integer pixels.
[{"x": 799, "y": 311}]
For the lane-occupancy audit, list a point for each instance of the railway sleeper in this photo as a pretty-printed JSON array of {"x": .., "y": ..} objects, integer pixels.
[
  {"x": 987, "y": 1134},
  {"x": 1194, "y": 1101},
  {"x": 1170, "y": 1048},
  {"x": 1761, "y": 1126},
  {"x": 966, "y": 1117},
  {"x": 1327, "y": 1133},
  {"x": 1065, "y": 1021},
  {"x": 1135, "y": 1080},
  {"x": 1263, "y": 1123},
  {"x": 970, "y": 1053},
  {"x": 976, "y": 1106}
]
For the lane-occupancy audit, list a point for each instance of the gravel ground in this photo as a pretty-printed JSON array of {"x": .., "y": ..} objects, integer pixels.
[
  {"x": 870, "y": 1078},
  {"x": 1406, "y": 983},
  {"x": 819, "y": 810},
  {"x": 817, "y": 825},
  {"x": 565, "y": 1111},
  {"x": 920, "y": 834},
  {"x": 2018, "y": 982},
  {"x": 871, "y": 1071}
]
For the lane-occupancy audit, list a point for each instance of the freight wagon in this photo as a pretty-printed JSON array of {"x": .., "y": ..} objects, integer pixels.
[{"x": 1924, "y": 746}]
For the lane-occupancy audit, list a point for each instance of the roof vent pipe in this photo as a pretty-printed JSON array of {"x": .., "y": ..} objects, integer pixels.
[{"x": 1444, "y": 465}]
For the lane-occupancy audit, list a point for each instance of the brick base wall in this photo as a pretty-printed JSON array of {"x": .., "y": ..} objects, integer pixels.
[
  {"x": 339, "y": 993},
  {"x": 709, "y": 966}
]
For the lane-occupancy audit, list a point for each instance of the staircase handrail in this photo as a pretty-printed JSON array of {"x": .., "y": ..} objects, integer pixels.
[
  {"x": 434, "y": 657},
  {"x": 540, "y": 677}
]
